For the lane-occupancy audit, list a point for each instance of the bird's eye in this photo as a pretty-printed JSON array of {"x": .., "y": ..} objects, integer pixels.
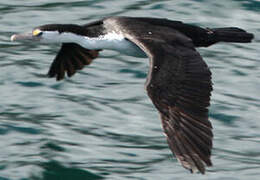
[{"x": 37, "y": 32}]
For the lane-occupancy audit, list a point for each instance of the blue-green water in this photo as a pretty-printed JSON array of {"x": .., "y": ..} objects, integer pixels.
[{"x": 100, "y": 124}]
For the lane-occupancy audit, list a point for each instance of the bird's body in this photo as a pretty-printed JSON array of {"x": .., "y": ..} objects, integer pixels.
[
  {"x": 178, "y": 83},
  {"x": 110, "y": 41}
]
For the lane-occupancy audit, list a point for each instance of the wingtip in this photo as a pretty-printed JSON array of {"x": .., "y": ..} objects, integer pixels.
[{"x": 58, "y": 78}]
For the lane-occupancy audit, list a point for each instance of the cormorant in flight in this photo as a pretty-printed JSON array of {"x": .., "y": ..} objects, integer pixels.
[{"x": 178, "y": 83}]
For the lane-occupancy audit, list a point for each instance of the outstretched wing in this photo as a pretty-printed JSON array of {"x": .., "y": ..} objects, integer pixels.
[
  {"x": 71, "y": 57},
  {"x": 179, "y": 85}
]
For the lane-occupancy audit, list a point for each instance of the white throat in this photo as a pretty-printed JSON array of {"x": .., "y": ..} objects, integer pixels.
[{"x": 111, "y": 41}]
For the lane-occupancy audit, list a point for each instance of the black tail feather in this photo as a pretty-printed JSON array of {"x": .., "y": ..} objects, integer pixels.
[
  {"x": 232, "y": 34},
  {"x": 207, "y": 37}
]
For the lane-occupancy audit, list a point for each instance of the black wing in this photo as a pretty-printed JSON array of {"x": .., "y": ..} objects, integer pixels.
[
  {"x": 179, "y": 85},
  {"x": 71, "y": 57}
]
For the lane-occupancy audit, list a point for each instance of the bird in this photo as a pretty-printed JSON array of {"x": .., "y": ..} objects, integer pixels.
[{"x": 179, "y": 82}]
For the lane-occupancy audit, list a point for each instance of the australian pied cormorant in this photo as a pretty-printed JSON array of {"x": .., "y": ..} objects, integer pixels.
[{"x": 178, "y": 83}]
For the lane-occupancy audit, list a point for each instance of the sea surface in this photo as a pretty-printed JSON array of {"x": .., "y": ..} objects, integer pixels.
[{"x": 100, "y": 124}]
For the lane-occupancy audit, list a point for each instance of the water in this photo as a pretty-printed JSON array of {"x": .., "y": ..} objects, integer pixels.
[{"x": 100, "y": 124}]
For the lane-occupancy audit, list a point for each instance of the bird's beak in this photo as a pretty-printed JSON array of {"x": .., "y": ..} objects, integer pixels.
[{"x": 24, "y": 37}]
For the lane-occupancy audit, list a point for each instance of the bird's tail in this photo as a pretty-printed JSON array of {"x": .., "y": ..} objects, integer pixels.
[
  {"x": 232, "y": 34},
  {"x": 209, "y": 36}
]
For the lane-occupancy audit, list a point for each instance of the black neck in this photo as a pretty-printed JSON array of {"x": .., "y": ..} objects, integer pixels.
[
  {"x": 91, "y": 30},
  {"x": 61, "y": 28}
]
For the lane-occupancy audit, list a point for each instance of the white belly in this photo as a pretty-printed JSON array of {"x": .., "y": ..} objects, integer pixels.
[{"x": 126, "y": 47}]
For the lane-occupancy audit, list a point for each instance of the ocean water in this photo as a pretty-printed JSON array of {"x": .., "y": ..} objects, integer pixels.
[{"x": 100, "y": 124}]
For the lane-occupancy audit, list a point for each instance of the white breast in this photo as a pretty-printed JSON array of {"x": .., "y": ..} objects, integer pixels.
[
  {"x": 111, "y": 41},
  {"x": 117, "y": 42},
  {"x": 114, "y": 41}
]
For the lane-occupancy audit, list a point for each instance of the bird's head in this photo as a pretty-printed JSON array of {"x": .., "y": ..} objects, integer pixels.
[{"x": 51, "y": 33}]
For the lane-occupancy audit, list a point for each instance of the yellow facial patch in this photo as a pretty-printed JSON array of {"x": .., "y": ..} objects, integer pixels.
[{"x": 36, "y": 32}]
